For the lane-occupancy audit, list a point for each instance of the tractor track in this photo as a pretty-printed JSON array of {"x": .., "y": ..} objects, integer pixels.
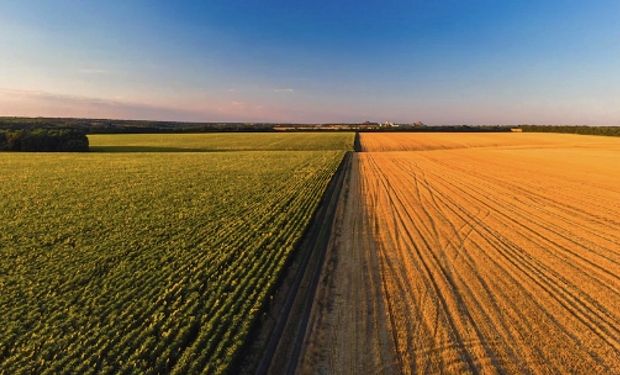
[{"x": 482, "y": 254}]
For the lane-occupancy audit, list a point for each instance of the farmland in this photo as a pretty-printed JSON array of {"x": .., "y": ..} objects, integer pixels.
[
  {"x": 450, "y": 141},
  {"x": 220, "y": 142},
  {"x": 443, "y": 253},
  {"x": 150, "y": 262},
  {"x": 473, "y": 253}
]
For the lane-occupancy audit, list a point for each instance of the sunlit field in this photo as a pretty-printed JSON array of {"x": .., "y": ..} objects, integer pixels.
[
  {"x": 475, "y": 253},
  {"x": 220, "y": 142},
  {"x": 149, "y": 262}
]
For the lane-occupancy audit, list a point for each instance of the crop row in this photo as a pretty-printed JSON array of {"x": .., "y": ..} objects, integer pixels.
[{"x": 145, "y": 263}]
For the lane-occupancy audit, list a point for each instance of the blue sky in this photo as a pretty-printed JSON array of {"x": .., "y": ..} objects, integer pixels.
[{"x": 441, "y": 62}]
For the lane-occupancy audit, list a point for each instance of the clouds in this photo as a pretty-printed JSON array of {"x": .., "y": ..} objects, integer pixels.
[
  {"x": 35, "y": 103},
  {"x": 256, "y": 108},
  {"x": 46, "y": 104}
]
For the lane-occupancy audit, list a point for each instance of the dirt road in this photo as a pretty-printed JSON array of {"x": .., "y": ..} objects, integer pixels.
[{"x": 489, "y": 257}]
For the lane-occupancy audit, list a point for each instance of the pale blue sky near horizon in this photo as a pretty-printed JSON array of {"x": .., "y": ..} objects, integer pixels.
[{"x": 441, "y": 62}]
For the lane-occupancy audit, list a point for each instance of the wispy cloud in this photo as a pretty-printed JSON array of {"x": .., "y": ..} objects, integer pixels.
[
  {"x": 40, "y": 103},
  {"x": 284, "y": 90},
  {"x": 34, "y": 103}
]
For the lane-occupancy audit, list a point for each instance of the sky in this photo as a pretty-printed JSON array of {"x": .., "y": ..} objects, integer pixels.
[{"x": 440, "y": 62}]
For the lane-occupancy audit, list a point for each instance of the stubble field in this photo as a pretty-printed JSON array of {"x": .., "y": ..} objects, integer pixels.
[{"x": 486, "y": 253}]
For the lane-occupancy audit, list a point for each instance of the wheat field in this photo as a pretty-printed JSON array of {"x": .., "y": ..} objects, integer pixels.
[{"x": 478, "y": 253}]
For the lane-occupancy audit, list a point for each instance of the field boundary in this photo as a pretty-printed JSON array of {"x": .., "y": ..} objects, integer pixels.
[{"x": 275, "y": 341}]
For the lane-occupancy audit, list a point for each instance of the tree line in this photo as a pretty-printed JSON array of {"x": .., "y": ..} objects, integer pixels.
[
  {"x": 581, "y": 129},
  {"x": 105, "y": 126},
  {"x": 67, "y": 140},
  {"x": 110, "y": 126}
]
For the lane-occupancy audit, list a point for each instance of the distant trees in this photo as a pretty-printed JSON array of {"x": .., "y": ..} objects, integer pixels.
[
  {"x": 103, "y": 126},
  {"x": 444, "y": 129},
  {"x": 49, "y": 140},
  {"x": 591, "y": 130}
]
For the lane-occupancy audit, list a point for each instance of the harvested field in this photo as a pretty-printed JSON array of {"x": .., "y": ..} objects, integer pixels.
[
  {"x": 494, "y": 256},
  {"x": 449, "y": 141}
]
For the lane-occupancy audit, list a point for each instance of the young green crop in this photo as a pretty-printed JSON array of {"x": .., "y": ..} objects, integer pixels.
[
  {"x": 220, "y": 142},
  {"x": 145, "y": 262}
]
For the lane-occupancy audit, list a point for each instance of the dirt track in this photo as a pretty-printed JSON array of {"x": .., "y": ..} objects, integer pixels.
[{"x": 499, "y": 255}]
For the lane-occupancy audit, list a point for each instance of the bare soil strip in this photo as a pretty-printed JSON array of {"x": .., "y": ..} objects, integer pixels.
[
  {"x": 478, "y": 260},
  {"x": 348, "y": 331}
]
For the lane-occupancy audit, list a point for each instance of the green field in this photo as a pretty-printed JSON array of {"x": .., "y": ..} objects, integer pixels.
[
  {"x": 220, "y": 142},
  {"x": 147, "y": 262}
]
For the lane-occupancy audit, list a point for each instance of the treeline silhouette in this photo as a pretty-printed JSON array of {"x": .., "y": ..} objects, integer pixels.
[
  {"x": 66, "y": 140},
  {"x": 108, "y": 126},
  {"x": 442, "y": 129},
  {"x": 582, "y": 129}
]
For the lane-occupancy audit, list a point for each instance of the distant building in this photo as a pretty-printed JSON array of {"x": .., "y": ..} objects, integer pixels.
[{"x": 387, "y": 124}]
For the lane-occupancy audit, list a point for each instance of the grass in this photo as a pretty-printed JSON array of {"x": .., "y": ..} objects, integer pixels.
[{"x": 147, "y": 262}]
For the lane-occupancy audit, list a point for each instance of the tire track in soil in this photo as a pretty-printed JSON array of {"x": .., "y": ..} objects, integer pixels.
[{"x": 472, "y": 266}]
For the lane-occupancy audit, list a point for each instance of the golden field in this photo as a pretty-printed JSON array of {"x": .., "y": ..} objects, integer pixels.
[{"x": 477, "y": 253}]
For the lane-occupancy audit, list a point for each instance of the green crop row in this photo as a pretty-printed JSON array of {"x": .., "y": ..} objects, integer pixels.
[
  {"x": 145, "y": 262},
  {"x": 220, "y": 142}
]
